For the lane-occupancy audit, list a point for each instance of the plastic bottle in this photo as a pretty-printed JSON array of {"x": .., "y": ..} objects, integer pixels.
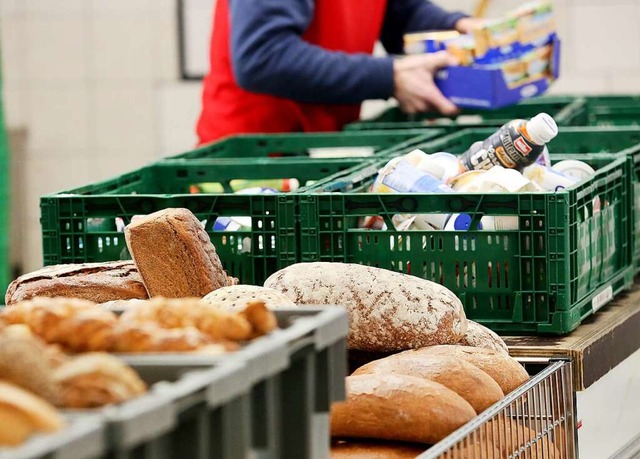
[
  {"x": 515, "y": 145},
  {"x": 411, "y": 174}
]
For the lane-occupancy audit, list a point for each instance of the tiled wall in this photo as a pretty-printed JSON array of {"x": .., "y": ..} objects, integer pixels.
[{"x": 95, "y": 83}]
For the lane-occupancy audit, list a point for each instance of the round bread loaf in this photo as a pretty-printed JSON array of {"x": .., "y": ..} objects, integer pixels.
[
  {"x": 480, "y": 336},
  {"x": 398, "y": 407},
  {"x": 504, "y": 370},
  {"x": 236, "y": 298},
  {"x": 465, "y": 379},
  {"x": 388, "y": 311},
  {"x": 375, "y": 450}
]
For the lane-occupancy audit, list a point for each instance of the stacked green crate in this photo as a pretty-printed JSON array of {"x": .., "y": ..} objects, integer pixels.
[
  {"x": 568, "y": 257},
  {"x": 564, "y": 109}
]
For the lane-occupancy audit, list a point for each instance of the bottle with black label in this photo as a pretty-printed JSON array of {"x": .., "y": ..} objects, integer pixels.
[{"x": 515, "y": 145}]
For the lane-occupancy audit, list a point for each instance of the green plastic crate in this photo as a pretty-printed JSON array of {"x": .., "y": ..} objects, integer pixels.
[
  {"x": 563, "y": 263},
  {"x": 612, "y": 110},
  {"x": 303, "y": 144},
  {"x": 85, "y": 224},
  {"x": 564, "y": 109}
]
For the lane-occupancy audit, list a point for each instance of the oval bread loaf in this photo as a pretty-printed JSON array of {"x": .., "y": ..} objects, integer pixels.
[
  {"x": 375, "y": 450},
  {"x": 504, "y": 370},
  {"x": 388, "y": 311},
  {"x": 465, "y": 379},
  {"x": 235, "y": 298},
  {"x": 398, "y": 407},
  {"x": 480, "y": 336}
]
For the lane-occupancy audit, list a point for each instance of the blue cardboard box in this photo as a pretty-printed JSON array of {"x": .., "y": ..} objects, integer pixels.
[{"x": 487, "y": 88}]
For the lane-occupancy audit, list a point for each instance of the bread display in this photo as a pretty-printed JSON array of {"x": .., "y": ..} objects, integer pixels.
[
  {"x": 375, "y": 450},
  {"x": 504, "y": 370},
  {"x": 174, "y": 255},
  {"x": 398, "y": 407},
  {"x": 236, "y": 297},
  {"x": 388, "y": 311},
  {"x": 98, "y": 282},
  {"x": 157, "y": 325},
  {"x": 466, "y": 380},
  {"x": 23, "y": 414},
  {"x": 480, "y": 336},
  {"x": 97, "y": 379}
]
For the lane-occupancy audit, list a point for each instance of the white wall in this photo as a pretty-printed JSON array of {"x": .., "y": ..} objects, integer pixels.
[{"x": 95, "y": 82}]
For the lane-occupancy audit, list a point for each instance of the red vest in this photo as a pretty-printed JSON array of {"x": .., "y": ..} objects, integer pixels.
[{"x": 352, "y": 26}]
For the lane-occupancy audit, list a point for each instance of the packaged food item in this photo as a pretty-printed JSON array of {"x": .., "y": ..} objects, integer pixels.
[
  {"x": 284, "y": 185},
  {"x": 515, "y": 145},
  {"x": 412, "y": 173},
  {"x": 547, "y": 178},
  {"x": 573, "y": 168}
]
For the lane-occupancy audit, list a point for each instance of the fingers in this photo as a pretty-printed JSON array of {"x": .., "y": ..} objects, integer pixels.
[
  {"x": 435, "y": 61},
  {"x": 440, "y": 102}
]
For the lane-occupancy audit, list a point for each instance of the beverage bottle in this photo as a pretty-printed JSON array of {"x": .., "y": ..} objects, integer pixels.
[{"x": 515, "y": 145}]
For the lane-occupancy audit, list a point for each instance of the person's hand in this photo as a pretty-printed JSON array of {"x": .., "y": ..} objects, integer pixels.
[
  {"x": 466, "y": 25},
  {"x": 415, "y": 89}
]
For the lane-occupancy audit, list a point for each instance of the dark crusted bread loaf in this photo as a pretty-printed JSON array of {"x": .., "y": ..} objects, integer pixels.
[
  {"x": 174, "y": 255},
  {"x": 97, "y": 282}
]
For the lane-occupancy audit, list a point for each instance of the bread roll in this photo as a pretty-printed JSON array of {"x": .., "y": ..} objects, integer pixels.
[
  {"x": 463, "y": 378},
  {"x": 24, "y": 362},
  {"x": 388, "y": 311},
  {"x": 235, "y": 298},
  {"x": 174, "y": 255},
  {"x": 480, "y": 336},
  {"x": 97, "y": 379},
  {"x": 510, "y": 437},
  {"x": 504, "y": 370},
  {"x": 23, "y": 414},
  {"x": 98, "y": 282},
  {"x": 398, "y": 407},
  {"x": 375, "y": 450}
]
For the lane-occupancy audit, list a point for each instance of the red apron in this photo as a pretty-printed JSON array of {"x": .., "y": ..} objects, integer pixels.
[{"x": 227, "y": 109}]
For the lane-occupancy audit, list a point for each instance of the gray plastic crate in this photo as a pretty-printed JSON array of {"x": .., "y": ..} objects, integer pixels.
[
  {"x": 191, "y": 411},
  {"x": 295, "y": 373},
  {"x": 81, "y": 439}
]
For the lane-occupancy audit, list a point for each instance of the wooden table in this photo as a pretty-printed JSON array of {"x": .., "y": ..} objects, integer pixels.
[{"x": 600, "y": 343}]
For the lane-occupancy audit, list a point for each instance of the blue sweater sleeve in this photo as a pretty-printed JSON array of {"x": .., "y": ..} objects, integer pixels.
[
  {"x": 405, "y": 16},
  {"x": 269, "y": 56}
]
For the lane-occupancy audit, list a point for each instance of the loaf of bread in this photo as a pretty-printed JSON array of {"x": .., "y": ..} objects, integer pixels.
[
  {"x": 97, "y": 379},
  {"x": 370, "y": 449},
  {"x": 98, "y": 282},
  {"x": 23, "y": 414},
  {"x": 398, "y": 407},
  {"x": 24, "y": 361},
  {"x": 480, "y": 336},
  {"x": 388, "y": 311},
  {"x": 514, "y": 439},
  {"x": 236, "y": 297},
  {"x": 504, "y": 370},
  {"x": 463, "y": 378},
  {"x": 174, "y": 255}
]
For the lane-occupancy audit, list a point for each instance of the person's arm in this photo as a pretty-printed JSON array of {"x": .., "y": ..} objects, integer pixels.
[
  {"x": 406, "y": 16},
  {"x": 269, "y": 56}
]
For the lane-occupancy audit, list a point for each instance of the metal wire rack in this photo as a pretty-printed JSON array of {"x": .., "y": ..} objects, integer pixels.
[{"x": 536, "y": 421}]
